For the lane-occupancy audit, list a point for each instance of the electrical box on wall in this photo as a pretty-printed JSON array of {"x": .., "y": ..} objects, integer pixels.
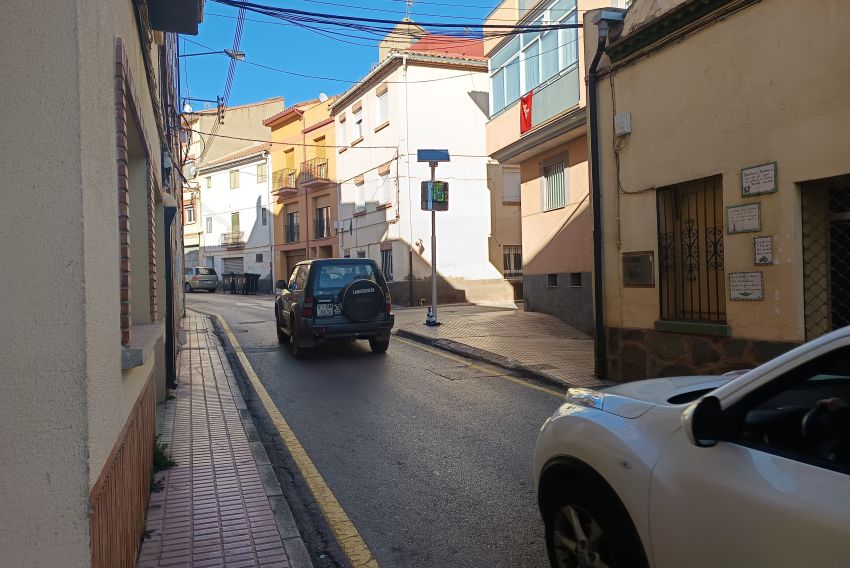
[{"x": 622, "y": 123}]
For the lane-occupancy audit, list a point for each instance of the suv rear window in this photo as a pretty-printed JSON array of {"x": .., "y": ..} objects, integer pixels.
[
  {"x": 206, "y": 271},
  {"x": 331, "y": 278}
]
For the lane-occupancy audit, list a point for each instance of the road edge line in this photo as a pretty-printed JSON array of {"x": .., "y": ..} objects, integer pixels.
[{"x": 352, "y": 544}]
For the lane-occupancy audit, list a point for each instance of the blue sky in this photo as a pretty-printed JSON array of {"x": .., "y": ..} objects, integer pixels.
[{"x": 295, "y": 49}]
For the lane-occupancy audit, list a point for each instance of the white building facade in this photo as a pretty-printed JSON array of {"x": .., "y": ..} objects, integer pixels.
[
  {"x": 413, "y": 100},
  {"x": 231, "y": 213}
]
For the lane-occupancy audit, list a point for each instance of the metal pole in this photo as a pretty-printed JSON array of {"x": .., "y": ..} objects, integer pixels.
[{"x": 434, "y": 251}]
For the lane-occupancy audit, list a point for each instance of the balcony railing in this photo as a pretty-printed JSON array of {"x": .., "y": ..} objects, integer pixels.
[
  {"x": 323, "y": 227},
  {"x": 236, "y": 239},
  {"x": 284, "y": 179},
  {"x": 314, "y": 172},
  {"x": 292, "y": 234}
]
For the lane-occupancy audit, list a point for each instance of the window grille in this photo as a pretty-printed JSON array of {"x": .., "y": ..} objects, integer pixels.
[
  {"x": 690, "y": 251},
  {"x": 554, "y": 187},
  {"x": 513, "y": 260}
]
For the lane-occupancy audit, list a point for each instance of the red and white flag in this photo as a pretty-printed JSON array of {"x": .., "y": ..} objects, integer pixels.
[{"x": 525, "y": 112}]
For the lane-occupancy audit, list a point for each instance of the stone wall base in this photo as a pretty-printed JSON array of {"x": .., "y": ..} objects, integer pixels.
[
  {"x": 646, "y": 353},
  {"x": 572, "y": 302}
]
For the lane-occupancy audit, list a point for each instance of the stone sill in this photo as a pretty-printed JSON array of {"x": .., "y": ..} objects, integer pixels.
[
  {"x": 143, "y": 340},
  {"x": 343, "y": 149},
  {"x": 511, "y": 202},
  {"x": 382, "y": 126},
  {"x": 359, "y": 213},
  {"x": 356, "y": 142},
  {"x": 694, "y": 328},
  {"x": 383, "y": 206}
]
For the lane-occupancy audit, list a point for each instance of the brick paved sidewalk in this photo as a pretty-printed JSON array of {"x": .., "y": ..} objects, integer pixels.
[
  {"x": 527, "y": 342},
  {"x": 213, "y": 509}
]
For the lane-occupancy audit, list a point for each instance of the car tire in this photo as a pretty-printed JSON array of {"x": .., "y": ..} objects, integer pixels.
[
  {"x": 610, "y": 535},
  {"x": 297, "y": 351},
  {"x": 379, "y": 345},
  {"x": 187, "y": 288},
  {"x": 282, "y": 336}
]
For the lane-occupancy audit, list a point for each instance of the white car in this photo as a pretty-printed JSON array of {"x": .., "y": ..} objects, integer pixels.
[{"x": 742, "y": 470}]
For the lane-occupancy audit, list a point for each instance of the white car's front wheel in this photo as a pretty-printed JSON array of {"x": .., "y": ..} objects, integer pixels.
[{"x": 587, "y": 527}]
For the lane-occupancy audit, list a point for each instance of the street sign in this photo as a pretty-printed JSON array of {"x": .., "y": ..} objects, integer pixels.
[
  {"x": 432, "y": 155},
  {"x": 435, "y": 195}
]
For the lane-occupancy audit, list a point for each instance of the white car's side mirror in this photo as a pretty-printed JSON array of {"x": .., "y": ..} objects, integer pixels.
[{"x": 702, "y": 421}]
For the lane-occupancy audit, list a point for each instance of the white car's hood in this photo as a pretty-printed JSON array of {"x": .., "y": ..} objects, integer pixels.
[{"x": 633, "y": 399}]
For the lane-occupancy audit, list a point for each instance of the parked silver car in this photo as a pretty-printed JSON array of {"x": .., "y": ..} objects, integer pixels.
[{"x": 200, "y": 278}]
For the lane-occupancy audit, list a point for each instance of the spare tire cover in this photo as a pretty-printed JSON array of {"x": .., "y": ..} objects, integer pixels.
[{"x": 362, "y": 300}]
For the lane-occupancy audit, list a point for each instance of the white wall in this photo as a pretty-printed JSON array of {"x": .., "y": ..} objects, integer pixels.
[{"x": 439, "y": 114}]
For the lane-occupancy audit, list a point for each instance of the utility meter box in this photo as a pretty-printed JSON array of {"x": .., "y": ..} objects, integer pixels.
[
  {"x": 622, "y": 123},
  {"x": 435, "y": 196}
]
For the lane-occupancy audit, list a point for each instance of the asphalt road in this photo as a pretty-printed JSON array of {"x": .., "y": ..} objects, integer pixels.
[{"x": 429, "y": 457}]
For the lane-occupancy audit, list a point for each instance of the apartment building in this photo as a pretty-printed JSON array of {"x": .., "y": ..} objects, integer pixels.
[
  {"x": 304, "y": 189},
  {"x": 537, "y": 135},
  {"x": 432, "y": 94}
]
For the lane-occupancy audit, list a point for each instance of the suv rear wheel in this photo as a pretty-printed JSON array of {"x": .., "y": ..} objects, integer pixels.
[
  {"x": 282, "y": 337},
  {"x": 379, "y": 345},
  {"x": 294, "y": 344}
]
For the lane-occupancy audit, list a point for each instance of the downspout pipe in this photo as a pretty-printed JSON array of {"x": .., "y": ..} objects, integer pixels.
[{"x": 603, "y": 21}]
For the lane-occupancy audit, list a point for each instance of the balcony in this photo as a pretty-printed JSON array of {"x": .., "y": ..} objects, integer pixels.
[
  {"x": 233, "y": 240},
  {"x": 283, "y": 183},
  {"x": 291, "y": 233},
  {"x": 314, "y": 173}
]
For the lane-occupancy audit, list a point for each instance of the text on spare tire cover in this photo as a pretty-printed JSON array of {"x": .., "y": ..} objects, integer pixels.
[{"x": 363, "y": 291}]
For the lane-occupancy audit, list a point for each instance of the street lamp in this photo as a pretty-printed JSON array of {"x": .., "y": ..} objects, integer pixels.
[{"x": 231, "y": 53}]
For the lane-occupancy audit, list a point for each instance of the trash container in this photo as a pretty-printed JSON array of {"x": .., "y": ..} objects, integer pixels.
[
  {"x": 250, "y": 283},
  {"x": 229, "y": 282}
]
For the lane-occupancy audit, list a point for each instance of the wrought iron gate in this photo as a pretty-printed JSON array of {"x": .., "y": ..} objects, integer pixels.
[
  {"x": 690, "y": 251},
  {"x": 826, "y": 256}
]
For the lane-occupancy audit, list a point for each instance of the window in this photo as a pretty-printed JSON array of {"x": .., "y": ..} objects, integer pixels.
[
  {"x": 332, "y": 278},
  {"x": 690, "y": 251},
  {"x": 262, "y": 174},
  {"x": 209, "y": 224},
  {"x": 358, "y": 125},
  {"x": 234, "y": 179},
  {"x": 386, "y": 188},
  {"x": 264, "y": 214},
  {"x": 359, "y": 196},
  {"x": 323, "y": 222},
  {"x": 575, "y": 279},
  {"x": 387, "y": 264},
  {"x": 551, "y": 280},
  {"x": 342, "y": 132},
  {"x": 209, "y": 182},
  {"x": 234, "y": 222},
  {"x": 289, "y": 158},
  {"x": 291, "y": 229},
  {"x": 361, "y": 254},
  {"x": 513, "y": 260},
  {"x": 383, "y": 108},
  {"x": 554, "y": 187},
  {"x": 190, "y": 214},
  {"x": 802, "y": 415},
  {"x": 510, "y": 186},
  {"x": 258, "y": 257},
  {"x": 542, "y": 56}
]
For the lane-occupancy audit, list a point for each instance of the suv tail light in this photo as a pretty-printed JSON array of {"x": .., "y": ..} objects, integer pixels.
[
  {"x": 389, "y": 300},
  {"x": 307, "y": 308},
  {"x": 196, "y": 277}
]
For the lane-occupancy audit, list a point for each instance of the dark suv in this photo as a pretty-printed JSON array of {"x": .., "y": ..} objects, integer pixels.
[{"x": 334, "y": 298}]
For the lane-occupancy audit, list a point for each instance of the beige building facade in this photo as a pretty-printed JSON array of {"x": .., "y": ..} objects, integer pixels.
[
  {"x": 545, "y": 160},
  {"x": 725, "y": 188},
  {"x": 90, "y": 307}
]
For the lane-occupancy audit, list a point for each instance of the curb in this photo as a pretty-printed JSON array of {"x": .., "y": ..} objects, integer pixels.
[
  {"x": 486, "y": 357},
  {"x": 294, "y": 545}
]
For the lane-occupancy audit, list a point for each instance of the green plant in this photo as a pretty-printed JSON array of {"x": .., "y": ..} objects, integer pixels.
[{"x": 161, "y": 461}]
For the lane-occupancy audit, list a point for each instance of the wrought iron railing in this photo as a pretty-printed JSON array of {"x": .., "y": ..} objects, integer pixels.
[
  {"x": 233, "y": 239},
  {"x": 292, "y": 233},
  {"x": 314, "y": 170},
  {"x": 284, "y": 179}
]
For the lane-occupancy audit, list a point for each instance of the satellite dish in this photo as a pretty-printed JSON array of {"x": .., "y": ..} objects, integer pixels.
[
  {"x": 187, "y": 108},
  {"x": 322, "y": 97}
]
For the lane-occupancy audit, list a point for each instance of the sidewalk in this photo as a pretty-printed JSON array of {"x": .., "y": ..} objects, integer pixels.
[
  {"x": 530, "y": 343},
  {"x": 214, "y": 508}
]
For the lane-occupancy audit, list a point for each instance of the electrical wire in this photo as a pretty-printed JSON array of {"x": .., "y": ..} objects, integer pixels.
[{"x": 299, "y": 144}]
